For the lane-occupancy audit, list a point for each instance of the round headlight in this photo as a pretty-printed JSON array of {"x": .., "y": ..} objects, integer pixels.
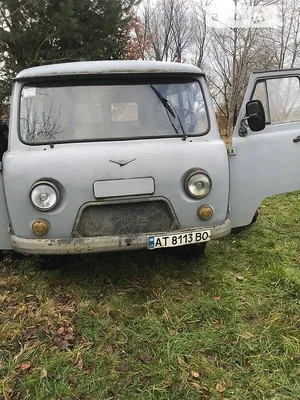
[
  {"x": 44, "y": 196},
  {"x": 198, "y": 185}
]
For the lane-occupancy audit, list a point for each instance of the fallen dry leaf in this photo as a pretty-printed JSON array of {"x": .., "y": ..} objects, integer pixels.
[
  {"x": 247, "y": 335},
  {"x": 69, "y": 338},
  {"x": 181, "y": 361},
  {"x": 111, "y": 395},
  {"x": 44, "y": 373},
  {"x": 240, "y": 278},
  {"x": 65, "y": 340},
  {"x": 72, "y": 379},
  {"x": 296, "y": 357},
  {"x": 221, "y": 387},
  {"x": 89, "y": 368},
  {"x": 122, "y": 367},
  {"x": 80, "y": 363},
  {"x": 25, "y": 366},
  {"x": 60, "y": 343},
  {"x": 195, "y": 374},
  {"x": 243, "y": 299},
  {"x": 173, "y": 333},
  {"x": 61, "y": 330},
  {"x": 217, "y": 298},
  {"x": 146, "y": 359},
  {"x": 196, "y": 386}
]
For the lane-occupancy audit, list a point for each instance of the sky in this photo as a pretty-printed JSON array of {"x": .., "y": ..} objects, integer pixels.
[{"x": 221, "y": 15}]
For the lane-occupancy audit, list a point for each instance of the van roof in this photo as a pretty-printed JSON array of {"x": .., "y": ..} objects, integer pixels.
[{"x": 106, "y": 67}]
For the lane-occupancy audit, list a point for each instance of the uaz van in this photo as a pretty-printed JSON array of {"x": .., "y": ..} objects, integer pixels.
[{"x": 119, "y": 155}]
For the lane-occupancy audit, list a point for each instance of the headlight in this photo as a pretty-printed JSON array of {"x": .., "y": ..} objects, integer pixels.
[
  {"x": 198, "y": 185},
  {"x": 44, "y": 196}
]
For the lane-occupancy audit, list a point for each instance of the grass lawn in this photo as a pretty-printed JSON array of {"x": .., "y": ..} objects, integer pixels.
[{"x": 148, "y": 325}]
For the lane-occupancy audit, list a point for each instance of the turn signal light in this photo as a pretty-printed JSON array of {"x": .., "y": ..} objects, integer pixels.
[
  {"x": 205, "y": 212},
  {"x": 40, "y": 227}
]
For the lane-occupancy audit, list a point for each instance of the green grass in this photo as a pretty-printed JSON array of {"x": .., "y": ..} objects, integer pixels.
[{"x": 148, "y": 325}]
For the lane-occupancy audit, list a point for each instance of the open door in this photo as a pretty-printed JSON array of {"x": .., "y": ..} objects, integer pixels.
[{"x": 266, "y": 162}]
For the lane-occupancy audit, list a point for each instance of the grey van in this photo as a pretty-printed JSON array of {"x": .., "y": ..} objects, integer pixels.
[{"x": 118, "y": 155}]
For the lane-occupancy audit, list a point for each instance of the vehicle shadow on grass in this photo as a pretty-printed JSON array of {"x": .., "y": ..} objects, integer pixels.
[{"x": 133, "y": 271}]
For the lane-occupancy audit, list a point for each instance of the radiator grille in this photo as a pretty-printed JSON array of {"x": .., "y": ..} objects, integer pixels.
[{"x": 126, "y": 218}]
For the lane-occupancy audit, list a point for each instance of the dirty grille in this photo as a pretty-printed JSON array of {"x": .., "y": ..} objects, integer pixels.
[{"x": 126, "y": 218}]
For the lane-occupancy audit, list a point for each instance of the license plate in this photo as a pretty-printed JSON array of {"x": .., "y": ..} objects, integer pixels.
[{"x": 180, "y": 239}]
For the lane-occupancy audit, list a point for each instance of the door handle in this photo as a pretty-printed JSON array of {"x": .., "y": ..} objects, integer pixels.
[{"x": 297, "y": 139}]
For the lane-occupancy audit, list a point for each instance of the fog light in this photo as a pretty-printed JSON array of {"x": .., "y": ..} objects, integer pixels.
[
  {"x": 40, "y": 227},
  {"x": 205, "y": 212}
]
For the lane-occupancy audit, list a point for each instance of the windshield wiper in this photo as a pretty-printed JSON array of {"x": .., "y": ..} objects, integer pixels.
[{"x": 170, "y": 109}]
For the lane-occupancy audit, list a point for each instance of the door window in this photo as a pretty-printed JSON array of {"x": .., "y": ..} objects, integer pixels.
[{"x": 280, "y": 98}]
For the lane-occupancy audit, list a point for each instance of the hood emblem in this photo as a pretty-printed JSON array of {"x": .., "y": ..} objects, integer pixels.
[{"x": 122, "y": 163}]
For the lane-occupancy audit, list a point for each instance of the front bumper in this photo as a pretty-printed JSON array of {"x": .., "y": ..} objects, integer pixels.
[{"x": 101, "y": 243}]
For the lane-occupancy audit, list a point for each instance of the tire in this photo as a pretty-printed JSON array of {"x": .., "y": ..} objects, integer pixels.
[{"x": 242, "y": 228}]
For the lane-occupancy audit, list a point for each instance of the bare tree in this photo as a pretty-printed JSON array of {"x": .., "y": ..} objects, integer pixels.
[
  {"x": 159, "y": 27},
  {"x": 167, "y": 29},
  {"x": 200, "y": 31},
  {"x": 182, "y": 30},
  {"x": 234, "y": 52},
  {"x": 284, "y": 39}
]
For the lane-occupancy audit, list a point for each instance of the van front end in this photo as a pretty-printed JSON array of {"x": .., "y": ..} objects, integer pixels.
[
  {"x": 114, "y": 160},
  {"x": 124, "y": 212}
]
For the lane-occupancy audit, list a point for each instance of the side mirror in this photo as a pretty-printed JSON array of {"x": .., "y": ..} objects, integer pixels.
[{"x": 256, "y": 115}]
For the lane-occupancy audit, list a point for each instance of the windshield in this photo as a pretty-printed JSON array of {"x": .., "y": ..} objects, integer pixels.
[{"x": 51, "y": 114}]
